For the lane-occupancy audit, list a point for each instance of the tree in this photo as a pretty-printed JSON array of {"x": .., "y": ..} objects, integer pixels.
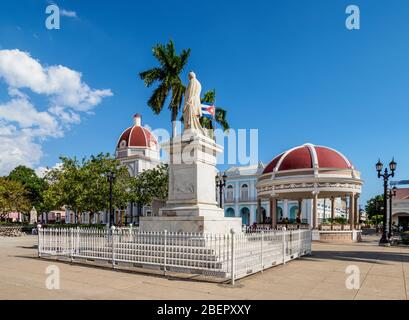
[
  {"x": 220, "y": 114},
  {"x": 65, "y": 185},
  {"x": 13, "y": 197},
  {"x": 149, "y": 185},
  {"x": 375, "y": 209},
  {"x": 82, "y": 185},
  {"x": 96, "y": 190},
  {"x": 167, "y": 74},
  {"x": 33, "y": 184},
  {"x": 375, "y": 206}
]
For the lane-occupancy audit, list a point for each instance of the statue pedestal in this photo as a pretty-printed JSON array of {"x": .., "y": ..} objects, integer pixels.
[{"x": 191, "y": 204}]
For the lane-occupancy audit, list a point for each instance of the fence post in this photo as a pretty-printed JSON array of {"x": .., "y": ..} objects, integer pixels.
[
  {"x": 40, "y": 241},
  {"x": 233, "y": 258},
  {"x": 77, "y": 241},
  {"x": 262, "y": 257},
  {"x": 299, "y": 244},
  {"x": 113, "y": 245},
  {"x": 165, "y": 235},
  {"x": 284, "y": 244},
  {"x": 72, "y": 244}
]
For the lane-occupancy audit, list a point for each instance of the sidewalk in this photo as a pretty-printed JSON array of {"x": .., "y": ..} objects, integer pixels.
[{"x": 384, "y": 274}]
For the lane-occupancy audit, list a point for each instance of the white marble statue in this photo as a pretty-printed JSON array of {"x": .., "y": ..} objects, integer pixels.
[
  {"x": 33, "y": 216},
  {"x": 192, "y": 110}
]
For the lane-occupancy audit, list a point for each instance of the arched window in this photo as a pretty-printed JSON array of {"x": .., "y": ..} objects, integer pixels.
[
  {"x": 245, "y": 216},
  {"x": 122, "y": 144},
  {"x": 279, "y": 213},
  {"x": 230, "y": 212},
  {"x": 244, "y": 192},
  {"x": 230, "y": 193},
  {"x": 294, "y": 213}
]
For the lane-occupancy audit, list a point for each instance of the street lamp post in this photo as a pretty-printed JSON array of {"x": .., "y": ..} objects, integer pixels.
[
  {"x": 221, "y": 183},
  {"x": 391, "y": 194},
  {"x": 111, "y": 180},
  {"x": 386, "y": 175}
]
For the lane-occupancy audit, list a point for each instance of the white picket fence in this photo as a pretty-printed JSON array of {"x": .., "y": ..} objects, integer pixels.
[{"x": 229, "y": 256}]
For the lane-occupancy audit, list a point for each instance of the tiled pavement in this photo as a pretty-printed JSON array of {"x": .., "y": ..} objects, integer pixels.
[{"x": 384, "y": 274}]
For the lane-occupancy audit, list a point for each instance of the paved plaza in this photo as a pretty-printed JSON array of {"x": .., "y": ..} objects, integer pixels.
[{"x": 384, "y": 274}]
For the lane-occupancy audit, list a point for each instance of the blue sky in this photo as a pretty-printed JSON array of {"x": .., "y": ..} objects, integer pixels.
[{"x": 289, "y": 68}]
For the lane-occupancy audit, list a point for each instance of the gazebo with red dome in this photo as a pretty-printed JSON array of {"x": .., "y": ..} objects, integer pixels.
[{"x": 310, "y": 172}]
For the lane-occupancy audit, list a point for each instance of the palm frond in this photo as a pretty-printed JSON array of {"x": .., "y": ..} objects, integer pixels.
[
  {"x": 157, "y": 100},
  {"x": 221, "y": 118},
  {"x": 168, "y": 74},
  {"x": 209, "y": 96},
  {"x": 184, "y": 57},
  {"x": 152, "y": 75},
  {"x": 160, "y": 53}
]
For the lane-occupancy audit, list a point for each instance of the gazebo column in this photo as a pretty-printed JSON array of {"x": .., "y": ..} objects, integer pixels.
[
  {"x": 259, "y": 214},
  {"x": 273, "y": 212},
  {"x": 285, "y": 208},
  {"x": 357, "y": 215},
  {"x": 332, "y": 212},
  {"x": 352, "y": 211},
  {"x": 315, "y": 211},
  {"x": 300, "y": 210}
]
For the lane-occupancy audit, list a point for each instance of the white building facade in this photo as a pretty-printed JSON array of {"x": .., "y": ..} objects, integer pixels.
[{"x": 400, "y": 208}]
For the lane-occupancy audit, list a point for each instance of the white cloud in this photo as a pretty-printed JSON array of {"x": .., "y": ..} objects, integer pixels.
[
  {"x": 18, "y": 149},
  {"x": 23, "y": 126},
  {"x": 42, "y": 171},
  {"x": 68, "y": 13}
]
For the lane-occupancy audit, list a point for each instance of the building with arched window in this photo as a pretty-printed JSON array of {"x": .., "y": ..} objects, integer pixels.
[
  {"x": 400, "y": 208},
  {"x": 240, "y": 197},
  {"x": 137, "y": 149}
]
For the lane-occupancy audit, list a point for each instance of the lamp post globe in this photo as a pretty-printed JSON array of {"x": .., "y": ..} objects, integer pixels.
[{"x": 392, "y": 165}]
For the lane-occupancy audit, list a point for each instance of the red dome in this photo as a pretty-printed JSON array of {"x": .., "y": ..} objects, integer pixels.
[
  {"x": 308, "y": 156},
  {"x": 137, "y": 136}
]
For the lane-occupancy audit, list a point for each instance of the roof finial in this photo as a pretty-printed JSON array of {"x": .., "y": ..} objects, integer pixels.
[{"x": 137, "y": 120}]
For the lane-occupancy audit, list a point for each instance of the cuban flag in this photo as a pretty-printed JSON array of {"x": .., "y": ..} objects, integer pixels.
[{"x": 208, "y": 110}]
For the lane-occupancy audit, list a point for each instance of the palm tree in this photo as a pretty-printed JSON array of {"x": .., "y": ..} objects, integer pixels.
[
  {"x": 220, "y": 114},
  {"x": 168, "y": 75}
]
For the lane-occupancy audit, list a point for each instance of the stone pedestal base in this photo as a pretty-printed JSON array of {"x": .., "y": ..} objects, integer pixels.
[
  {"x": 191, "y": 205},
  {"x": 191, "y": 224}
]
